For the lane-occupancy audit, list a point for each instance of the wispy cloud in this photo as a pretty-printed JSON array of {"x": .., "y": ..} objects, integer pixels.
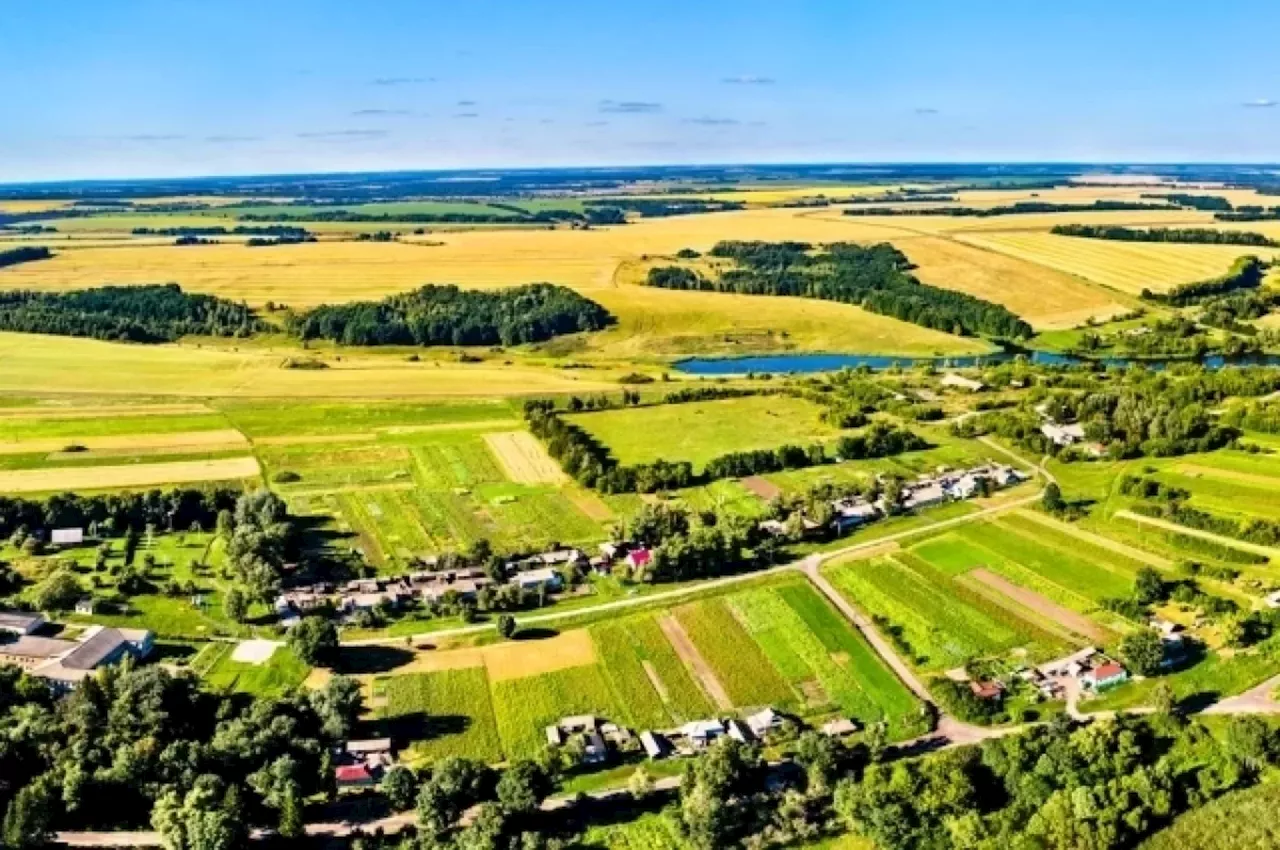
[
  {"x": 153, "y": 137},
  {"x": 466, "y": 115},
  {"x": 713, "y": 122},
  {"x": 343, "y": 134},
  {"x": 1260, "y": 103},
  {"x": 630, "y": 107},
  {"x": 926, "y": 110},
  {"x": 748, "y": 80},
  {"x": 401, "y": 81},
  {"x": 363, "y": 112},
  {"x": 229, "y": 139},
  {"x": 465, "y": 103},
  {"x": 597, "y": 123}
]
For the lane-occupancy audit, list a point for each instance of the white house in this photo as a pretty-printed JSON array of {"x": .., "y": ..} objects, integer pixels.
[
  {"x": 546, "y": 577},
  {"x": 763, "y": 722},
  {"x": 67, "y": 536}
]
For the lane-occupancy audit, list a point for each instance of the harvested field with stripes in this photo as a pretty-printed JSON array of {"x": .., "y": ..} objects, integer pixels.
[{"x": 523, "y": 458}]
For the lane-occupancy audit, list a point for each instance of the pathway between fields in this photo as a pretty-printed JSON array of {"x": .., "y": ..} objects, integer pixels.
[
  {"x": 693, "y": 659},
  {"x": 1229, "y": 542}
]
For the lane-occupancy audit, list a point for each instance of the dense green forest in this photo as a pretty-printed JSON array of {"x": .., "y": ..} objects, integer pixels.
[
  {"x": 149, "y": 313},
  {"x": 1245, "y": 273},
  {"x": 1019, "y": 208},
  {"x": 1198, "y": 235},
  {"x": 1212, "y": 203},
  {"x": 875, "y": 278},
  {"x": 447, "y": 315},
  {"x": 25, "y": 254}
]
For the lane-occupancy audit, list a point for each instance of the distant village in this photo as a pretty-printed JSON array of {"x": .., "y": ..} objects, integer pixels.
[{"x": 545, "y": 572}]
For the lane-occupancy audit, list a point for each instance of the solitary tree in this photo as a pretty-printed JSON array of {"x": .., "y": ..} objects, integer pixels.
[
  {"x": 401, "y": 787},
  {"x": 236, "y": 605},
  {"x": 314, "y": 640},
  {"x": 506, "y": 625},
  {"x": 1143, "y": 650},
  {"x": 1052, "y": 499}
]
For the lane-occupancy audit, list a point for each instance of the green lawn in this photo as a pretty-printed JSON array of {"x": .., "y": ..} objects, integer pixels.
[
  {"x": 445, "y": 713},
  {"x": 283, "y": 672},
  {"x": 700, "y": 431}
]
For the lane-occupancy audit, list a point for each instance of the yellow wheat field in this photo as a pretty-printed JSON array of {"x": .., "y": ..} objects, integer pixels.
[
  {"x": 511, "y": 660},
  {"x": 131, "y": 475},
  {"x": 523, "y": 458},
  {"x": 30, "y": 363},
  {"x": 1126, "y": 266}
]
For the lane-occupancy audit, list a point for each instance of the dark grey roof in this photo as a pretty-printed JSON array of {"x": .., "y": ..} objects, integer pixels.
[
  {"x": 93, "y": 651},
  {"x": 19, "y": 620},
  {"x": 37, "y": 647}
]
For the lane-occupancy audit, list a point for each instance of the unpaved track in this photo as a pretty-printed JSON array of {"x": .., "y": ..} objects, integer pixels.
[
  {"x": 1229, "y": 542},
  {"x": 1042, "y": 605},
  {"x": 693, "y": 659},
  {"x": 1098, "y": 540}
]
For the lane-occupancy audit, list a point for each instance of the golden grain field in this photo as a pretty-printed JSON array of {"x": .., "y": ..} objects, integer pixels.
[
  {"x": 130, "y": 475},
  {"x": 523, "y": 459}
]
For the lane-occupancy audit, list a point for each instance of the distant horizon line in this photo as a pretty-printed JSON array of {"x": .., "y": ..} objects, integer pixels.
[{"x": 869, "y": 165}]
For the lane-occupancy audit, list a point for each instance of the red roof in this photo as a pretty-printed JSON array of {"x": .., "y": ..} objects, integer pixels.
[
  {"x": 640, "y": 557},
  {"x": 1107, "y": 671},
  {"x": 352, "y": 773}
]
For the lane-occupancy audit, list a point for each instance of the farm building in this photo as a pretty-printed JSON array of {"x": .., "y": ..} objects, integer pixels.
[
  {"x": 839, "y": 727},
  {"x": 67, "y": 663},
  {"x": 1063, "y": 435},
  {"x": 698, "y": 733},
  {"x": 20, "y": 622},
  {"x": 655, "y": 745},
  {"x": 66, "y": 536},
  {"x": 1104, "y": 676},
  {"x": 545, "y": 578},
  {"x": 763, "y": 722},
  {"x": 84, "y": 606},
  {"x": 951, "y": 379}
]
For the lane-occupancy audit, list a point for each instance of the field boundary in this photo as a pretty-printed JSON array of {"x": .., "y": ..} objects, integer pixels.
[
  {"x": 1230, "y": 542},
  {"x": 692, "y": 659},
  {"x": 1098, "y": 540},
  {"x": 1041, "y": 605}
]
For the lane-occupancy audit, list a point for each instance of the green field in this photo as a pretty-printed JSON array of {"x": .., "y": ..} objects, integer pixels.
[
  {"x": 738, "y": 661},
  {"x": 524, "y": 707},
  {"x": 700, "y": 431},
  {"x": 820, "y": 655},
  {"x": 283, "y": 672},
  {"x": 444, "y": 713},
  {"x": 943, "y": 622},
  {"x": 626, "y": 647}
]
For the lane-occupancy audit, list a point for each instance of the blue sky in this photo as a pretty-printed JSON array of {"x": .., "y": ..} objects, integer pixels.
[{"x": 146, "y": 88}]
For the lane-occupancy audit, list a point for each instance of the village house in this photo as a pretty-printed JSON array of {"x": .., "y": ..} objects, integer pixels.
[
  {"x": 67, "y": 536},
  {"x": 763, "y": 722},
  {"x": 655, "y": 745},
  {"x": 951, "y": 379},
  {"x": 839, "y": 727},
  {"x": 594, "y": 736},
  {"x": 698, "y": 733},
  {"x": 546, "y": 578},
  {"x": 1104, "y": 676},
  {"x": 1063, "y": 435},
  {"x": 20, "y": 622},
  {"x": 987, "y": 690},
  {"x": 66, "y": 663},
  {"x": 735, "y": 730},
  {"x": 639, "y": 558},
  {"x": 360, "y": 764},
  {"x": 924, "y": 496}
]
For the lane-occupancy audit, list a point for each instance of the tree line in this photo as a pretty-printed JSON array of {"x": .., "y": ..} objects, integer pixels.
[
  {"x": 1210, "y": 203},
  {"x": 1018, "y": 208},
  {"x": 280, "y": 230},
  {"x": 1197, "y": 235},
  {"x": 590, "y": 462},
  {"x": 1245, "y": 273},
  {"x": 875, "y": 278},
  {"x": 662, "y": 208},
  {"x": 1250, "y": 212},
  {"x": 139, "y": 748},
  {"x": 25, "y": 254},
  {"x": 150, "y": 313},
  {"x": 448, "y": 315}
]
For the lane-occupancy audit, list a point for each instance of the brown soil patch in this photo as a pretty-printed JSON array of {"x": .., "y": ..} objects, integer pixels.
[
  {"x": 317, "y": 679},
  {"x": 518, "y": 659},
  {"x": 814, "y": 694},
  {"x": 132, "y": 475},
  {"x": 188, "y": 440},
  {"x": 523, "y": 458},
  {"x": 693, "y": 659},
  {"x": 1050, "y": 610},
  {"x": 766, "y": 490},
  {"x": 656, "y": 680},
  {"x": 590, "y": 504}
]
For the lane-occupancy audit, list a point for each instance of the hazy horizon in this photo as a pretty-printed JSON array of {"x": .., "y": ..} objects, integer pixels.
[{"x": 149, "y": 89}]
